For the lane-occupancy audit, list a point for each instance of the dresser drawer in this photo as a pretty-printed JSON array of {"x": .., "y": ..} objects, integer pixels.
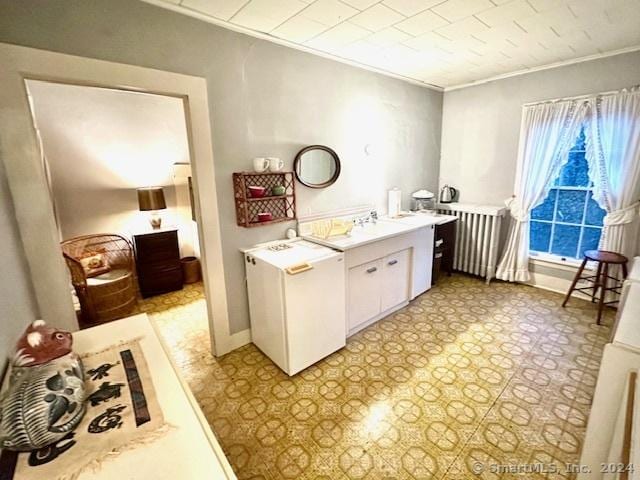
[
  {"x": 157, "y": 247},
  {"x": 159, "y": 278}
]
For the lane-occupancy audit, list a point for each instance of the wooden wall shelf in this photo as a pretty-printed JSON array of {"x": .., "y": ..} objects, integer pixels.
[{"x": 282, "y": 207}]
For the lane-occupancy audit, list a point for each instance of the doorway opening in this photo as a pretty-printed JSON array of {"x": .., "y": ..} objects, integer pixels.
[{"x": 118, "y": 170}]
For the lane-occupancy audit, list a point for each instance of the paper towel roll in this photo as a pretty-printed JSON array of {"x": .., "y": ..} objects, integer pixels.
[{"x": 394, "y": 202}]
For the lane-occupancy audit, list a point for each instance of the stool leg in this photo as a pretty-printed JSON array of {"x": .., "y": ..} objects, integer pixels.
[
  {"x": 603, "y": 291},
  {"x": 575, "y": 281},
  {"x": 596, "y": 283}
]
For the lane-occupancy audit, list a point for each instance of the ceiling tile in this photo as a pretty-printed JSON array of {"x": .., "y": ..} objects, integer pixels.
[
  {"x": 409, "y": 8},
  {"x": 329, "y": 12},
  {"x": 421, "y": 23},
  {"x": 387, "y": 37},
  {"x": 299, "y": 29},
  {"x": 454, "y": 10},
  {"x": 222, "y": 9},
  {"x": 265, "y": 15},
  {"x": 361, "y": 4},
  {"x": 338, "y": 37},
  {"x": 515, "y": 10},
  {"x": 462, "y": 28},
  {"x": 376, "y": 18},
  {"x": 428, "y": 41}
]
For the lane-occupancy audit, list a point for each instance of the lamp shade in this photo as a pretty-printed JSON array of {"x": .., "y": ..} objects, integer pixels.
[{"x": 151, "y": 198}]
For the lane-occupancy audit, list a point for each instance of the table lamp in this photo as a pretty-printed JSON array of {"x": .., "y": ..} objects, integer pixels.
[{"x": 151, "y": 199}]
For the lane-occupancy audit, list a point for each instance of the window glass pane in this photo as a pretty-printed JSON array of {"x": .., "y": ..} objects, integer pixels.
[
  {"x": 595, "y": 214},
  {"x": 544, "y": 211},
  {"x": 570, "y": 206},
  {"x": 575, "y": 173},
  {"x": 565, "y": 240},
  {"x": 590, "y": 239},
  {"x": 539, "y": 236},
  {"x": 579, "y": 145}
]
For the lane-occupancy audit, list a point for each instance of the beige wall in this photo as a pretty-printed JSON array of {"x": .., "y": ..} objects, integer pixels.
[
  {"x": 101, "y": 145},
  {"x": 17, "y": 301},
  {"x": 265, "y": 100}
]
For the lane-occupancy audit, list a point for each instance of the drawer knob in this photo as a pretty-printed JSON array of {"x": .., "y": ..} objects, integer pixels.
[
  {"x": 392, "y": 262},
  {"x": 372, "y": 269}
]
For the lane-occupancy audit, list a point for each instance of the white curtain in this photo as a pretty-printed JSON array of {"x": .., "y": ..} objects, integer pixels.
[
  {"x": 547, "y": 133},
  {"x": 613, "y": 154}
]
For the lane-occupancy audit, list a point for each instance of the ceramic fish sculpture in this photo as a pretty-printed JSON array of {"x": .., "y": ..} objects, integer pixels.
[{"x": 45, "y": 397}]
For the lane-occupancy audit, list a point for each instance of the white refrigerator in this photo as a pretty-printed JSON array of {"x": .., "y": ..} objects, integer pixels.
[{"x": 296, "y": 302}]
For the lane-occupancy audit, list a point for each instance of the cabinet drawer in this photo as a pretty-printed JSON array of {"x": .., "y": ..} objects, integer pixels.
[
  {"x": 395, "y": 279},
  {"x": 364, "y": 292},
  {"x": 160, "y": 278},
  {"x": 157, "y": 247}
]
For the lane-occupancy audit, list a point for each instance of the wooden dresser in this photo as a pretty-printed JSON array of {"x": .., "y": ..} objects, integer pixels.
[{"x": 158, "y": 262}]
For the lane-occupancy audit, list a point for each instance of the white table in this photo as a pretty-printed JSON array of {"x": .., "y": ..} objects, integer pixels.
[{"x": 190, "y": 450}]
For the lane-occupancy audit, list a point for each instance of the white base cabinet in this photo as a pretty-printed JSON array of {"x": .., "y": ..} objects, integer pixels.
[{"x": 377, "y": 287}]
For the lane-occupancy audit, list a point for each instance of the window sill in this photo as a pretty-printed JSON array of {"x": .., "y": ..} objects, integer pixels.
[{"x": 557, "y": 262}]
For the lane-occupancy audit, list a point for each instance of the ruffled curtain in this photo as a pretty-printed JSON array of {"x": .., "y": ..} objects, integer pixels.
[
  {"x": 547, "y": 133},
  {"x": 613, "y": 154}
]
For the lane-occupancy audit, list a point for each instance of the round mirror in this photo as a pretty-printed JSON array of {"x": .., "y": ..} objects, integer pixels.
[{"x": 317, "y": 166}]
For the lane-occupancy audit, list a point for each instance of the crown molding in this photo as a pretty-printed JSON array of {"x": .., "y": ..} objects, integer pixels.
[{"x": 549, "y": 66}]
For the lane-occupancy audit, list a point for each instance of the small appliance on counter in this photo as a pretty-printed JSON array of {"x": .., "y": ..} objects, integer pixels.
[
  {"x": 297, "y": 302},
  {"x": 448, "y": 194},
  {"x": 424, "y": 200}
]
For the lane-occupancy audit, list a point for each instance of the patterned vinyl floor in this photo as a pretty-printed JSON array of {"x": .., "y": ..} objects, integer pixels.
[{"x": 467, "y": 377}]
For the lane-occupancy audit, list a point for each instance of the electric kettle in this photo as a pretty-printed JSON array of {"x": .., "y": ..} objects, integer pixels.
[{"x": 447, "y": 194}]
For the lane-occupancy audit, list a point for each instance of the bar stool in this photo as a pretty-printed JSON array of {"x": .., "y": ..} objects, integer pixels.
[{"x": 599, "y": 280}]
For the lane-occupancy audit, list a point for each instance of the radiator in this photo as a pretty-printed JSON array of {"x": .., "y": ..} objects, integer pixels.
[{"x": 477, "y": 237}]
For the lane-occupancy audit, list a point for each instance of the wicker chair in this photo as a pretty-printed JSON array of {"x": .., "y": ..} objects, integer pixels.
[{"x": 102, "y": 273}]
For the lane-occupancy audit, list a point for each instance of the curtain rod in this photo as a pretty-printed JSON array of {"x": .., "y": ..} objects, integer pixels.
[{"x": 579, "y": 97}]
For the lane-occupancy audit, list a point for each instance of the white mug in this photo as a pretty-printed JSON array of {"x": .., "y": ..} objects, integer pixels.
[
  {"x": 260, "y": 164},
  {"x": 275, "y": 164}
]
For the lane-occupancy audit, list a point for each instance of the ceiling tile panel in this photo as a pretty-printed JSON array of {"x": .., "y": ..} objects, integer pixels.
[
  {"x": 222, "y": 9},
  {"x": 454, "y": 10},
  {"x": 338, "y": 37},
  {"x": 408, "y": 8},
  {"x": 462, "y": 28},
  {"x": 329, "y": 12},
  {"x": 265, "y": 15},
  {"x": 377, "y": 17},
  {"x": 299, "y": 29},
  {"x": 361, "y": 4},
  {"x": 422, "y": 23},
  {"x": 515, "y": 10},
  {"x": 388, "y": 36}
]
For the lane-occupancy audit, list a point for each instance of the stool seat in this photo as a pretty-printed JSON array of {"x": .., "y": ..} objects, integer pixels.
[
  {"x": 600, "y": 279},
  {"x": 606, "y": 257}
]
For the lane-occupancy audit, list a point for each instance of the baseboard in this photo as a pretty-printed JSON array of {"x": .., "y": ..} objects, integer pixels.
[{"x": 240, "y": 339}]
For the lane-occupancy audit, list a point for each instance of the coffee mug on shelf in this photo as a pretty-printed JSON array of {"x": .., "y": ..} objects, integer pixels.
[
  {"x": 260, "y": 164},
  {"x": 278, "y": 190},
  {"x": 275, "y": 164}
]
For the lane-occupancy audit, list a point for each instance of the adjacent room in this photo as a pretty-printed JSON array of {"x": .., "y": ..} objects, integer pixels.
[{"x": 305, "y": 239}]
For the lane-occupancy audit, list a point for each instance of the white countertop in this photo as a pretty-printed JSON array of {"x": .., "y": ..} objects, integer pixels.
[{"x": 385, "y": 228}]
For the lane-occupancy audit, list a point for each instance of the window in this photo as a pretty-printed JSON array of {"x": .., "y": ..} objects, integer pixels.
[{"x": 569, "y": 221}]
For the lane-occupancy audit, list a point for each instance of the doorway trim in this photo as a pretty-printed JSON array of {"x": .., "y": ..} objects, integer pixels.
[{"x": 27, "y": 182}]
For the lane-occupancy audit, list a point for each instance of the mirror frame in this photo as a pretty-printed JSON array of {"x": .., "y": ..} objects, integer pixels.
[{"x": 333, "y": 178}]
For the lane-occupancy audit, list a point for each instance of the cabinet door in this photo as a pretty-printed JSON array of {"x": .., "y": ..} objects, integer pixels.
[
  {"x": 364, "y": 292},
  {"x": 395, "y": 279}
]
